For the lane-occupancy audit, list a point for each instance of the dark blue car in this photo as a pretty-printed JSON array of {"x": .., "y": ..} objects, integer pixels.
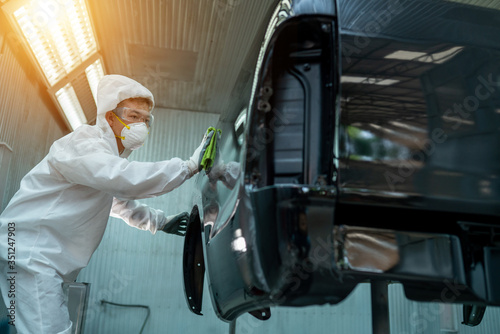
[{"x": 369, "y": 151}]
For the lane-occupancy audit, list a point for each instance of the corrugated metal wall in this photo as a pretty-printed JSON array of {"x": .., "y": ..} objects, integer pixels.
[
  {"x": 352, "y": 316},
  {"x": 409, "y": 317},
  {"x": 27, "y": 124}
]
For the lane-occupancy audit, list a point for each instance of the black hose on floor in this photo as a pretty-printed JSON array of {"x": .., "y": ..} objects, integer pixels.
[{"x": 131, "y": 305}]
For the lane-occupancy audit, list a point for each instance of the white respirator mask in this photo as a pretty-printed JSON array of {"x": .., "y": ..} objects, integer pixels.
[{"x": 133, "y": 135}]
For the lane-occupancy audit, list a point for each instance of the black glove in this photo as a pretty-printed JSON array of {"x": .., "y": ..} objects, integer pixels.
[{"x": 176, "y": 224}]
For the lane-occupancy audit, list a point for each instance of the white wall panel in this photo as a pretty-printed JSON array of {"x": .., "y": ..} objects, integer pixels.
[
  {"x": 351, "y": 316},
  {"x": 410, "y": 317},
  {"x": 27, "y": 125}
]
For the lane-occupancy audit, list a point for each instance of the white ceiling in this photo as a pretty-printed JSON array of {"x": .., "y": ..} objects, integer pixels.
[{"x": 194, "y": 55}]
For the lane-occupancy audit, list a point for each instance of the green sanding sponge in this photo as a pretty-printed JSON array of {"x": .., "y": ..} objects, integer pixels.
[{"x": 207, "y": 161}]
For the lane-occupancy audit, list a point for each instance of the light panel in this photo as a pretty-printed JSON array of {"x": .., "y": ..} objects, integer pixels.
[
  {"x": 60, "y": 41},
  {"x": 367, "y": 80},
  {"x": 94, "y": 74},
  {"x": 68, "y": 101},
  {"x": 435, "y": 58},
  {"x": 59, "y": 33}
]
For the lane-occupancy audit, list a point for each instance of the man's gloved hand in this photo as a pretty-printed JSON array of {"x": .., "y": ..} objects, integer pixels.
[
  {"x": 176, "y": 224},
  {"x": 228, "y": 173},
  {"x": 194, "y": 163}
]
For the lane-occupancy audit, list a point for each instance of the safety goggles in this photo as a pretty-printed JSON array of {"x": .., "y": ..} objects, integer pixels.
[{"x": 134, "y": 115}]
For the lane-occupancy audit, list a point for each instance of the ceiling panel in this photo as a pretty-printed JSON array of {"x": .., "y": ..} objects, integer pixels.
[
  {"x": 169, "y": 64},
  {"x": 191, "y": 54}
]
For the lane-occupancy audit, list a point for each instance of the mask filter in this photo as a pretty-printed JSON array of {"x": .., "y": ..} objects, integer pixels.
[{"x": 134, "y": 136}]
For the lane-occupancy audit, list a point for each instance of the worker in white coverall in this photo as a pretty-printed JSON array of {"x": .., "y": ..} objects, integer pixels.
[{"x": 56, "y": 220}]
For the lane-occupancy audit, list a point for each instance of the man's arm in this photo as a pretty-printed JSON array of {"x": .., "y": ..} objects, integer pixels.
[
  {"x": 90, "y": 163},
  {"x": 144, "y": 217},
  {"x": 138, "y": 215}
]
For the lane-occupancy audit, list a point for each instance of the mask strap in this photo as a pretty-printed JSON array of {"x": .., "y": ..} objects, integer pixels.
[{"x": 128, "y": 127}]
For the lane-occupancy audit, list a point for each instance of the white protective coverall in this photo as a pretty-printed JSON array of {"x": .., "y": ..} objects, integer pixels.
[{"x": 60, "y": 212}]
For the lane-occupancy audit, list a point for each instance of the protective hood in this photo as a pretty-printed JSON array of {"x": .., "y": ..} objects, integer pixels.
[{"x": 113, "y": 89}]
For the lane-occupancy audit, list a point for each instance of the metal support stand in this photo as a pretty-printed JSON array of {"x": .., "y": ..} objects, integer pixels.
[
  {"x": 380, "y": 307},
  {"x": 232, "y": 327}
]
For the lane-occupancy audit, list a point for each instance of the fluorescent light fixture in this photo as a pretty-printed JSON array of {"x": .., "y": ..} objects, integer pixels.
[
  {"x": 59, "y": 33},
  {"x": 367, "y": 80},
  {"x": 94, "y": 74},
  {"x": 391, "y": 131},
  {"x": 60, "y": 40},
  {"x": 408, "y": 127},
  {"x": 435, "y": 58},
  {"x": 68, "y": 101},
  {"x": 405, "y": 55},
  {"x": 457, "y": 120}
]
